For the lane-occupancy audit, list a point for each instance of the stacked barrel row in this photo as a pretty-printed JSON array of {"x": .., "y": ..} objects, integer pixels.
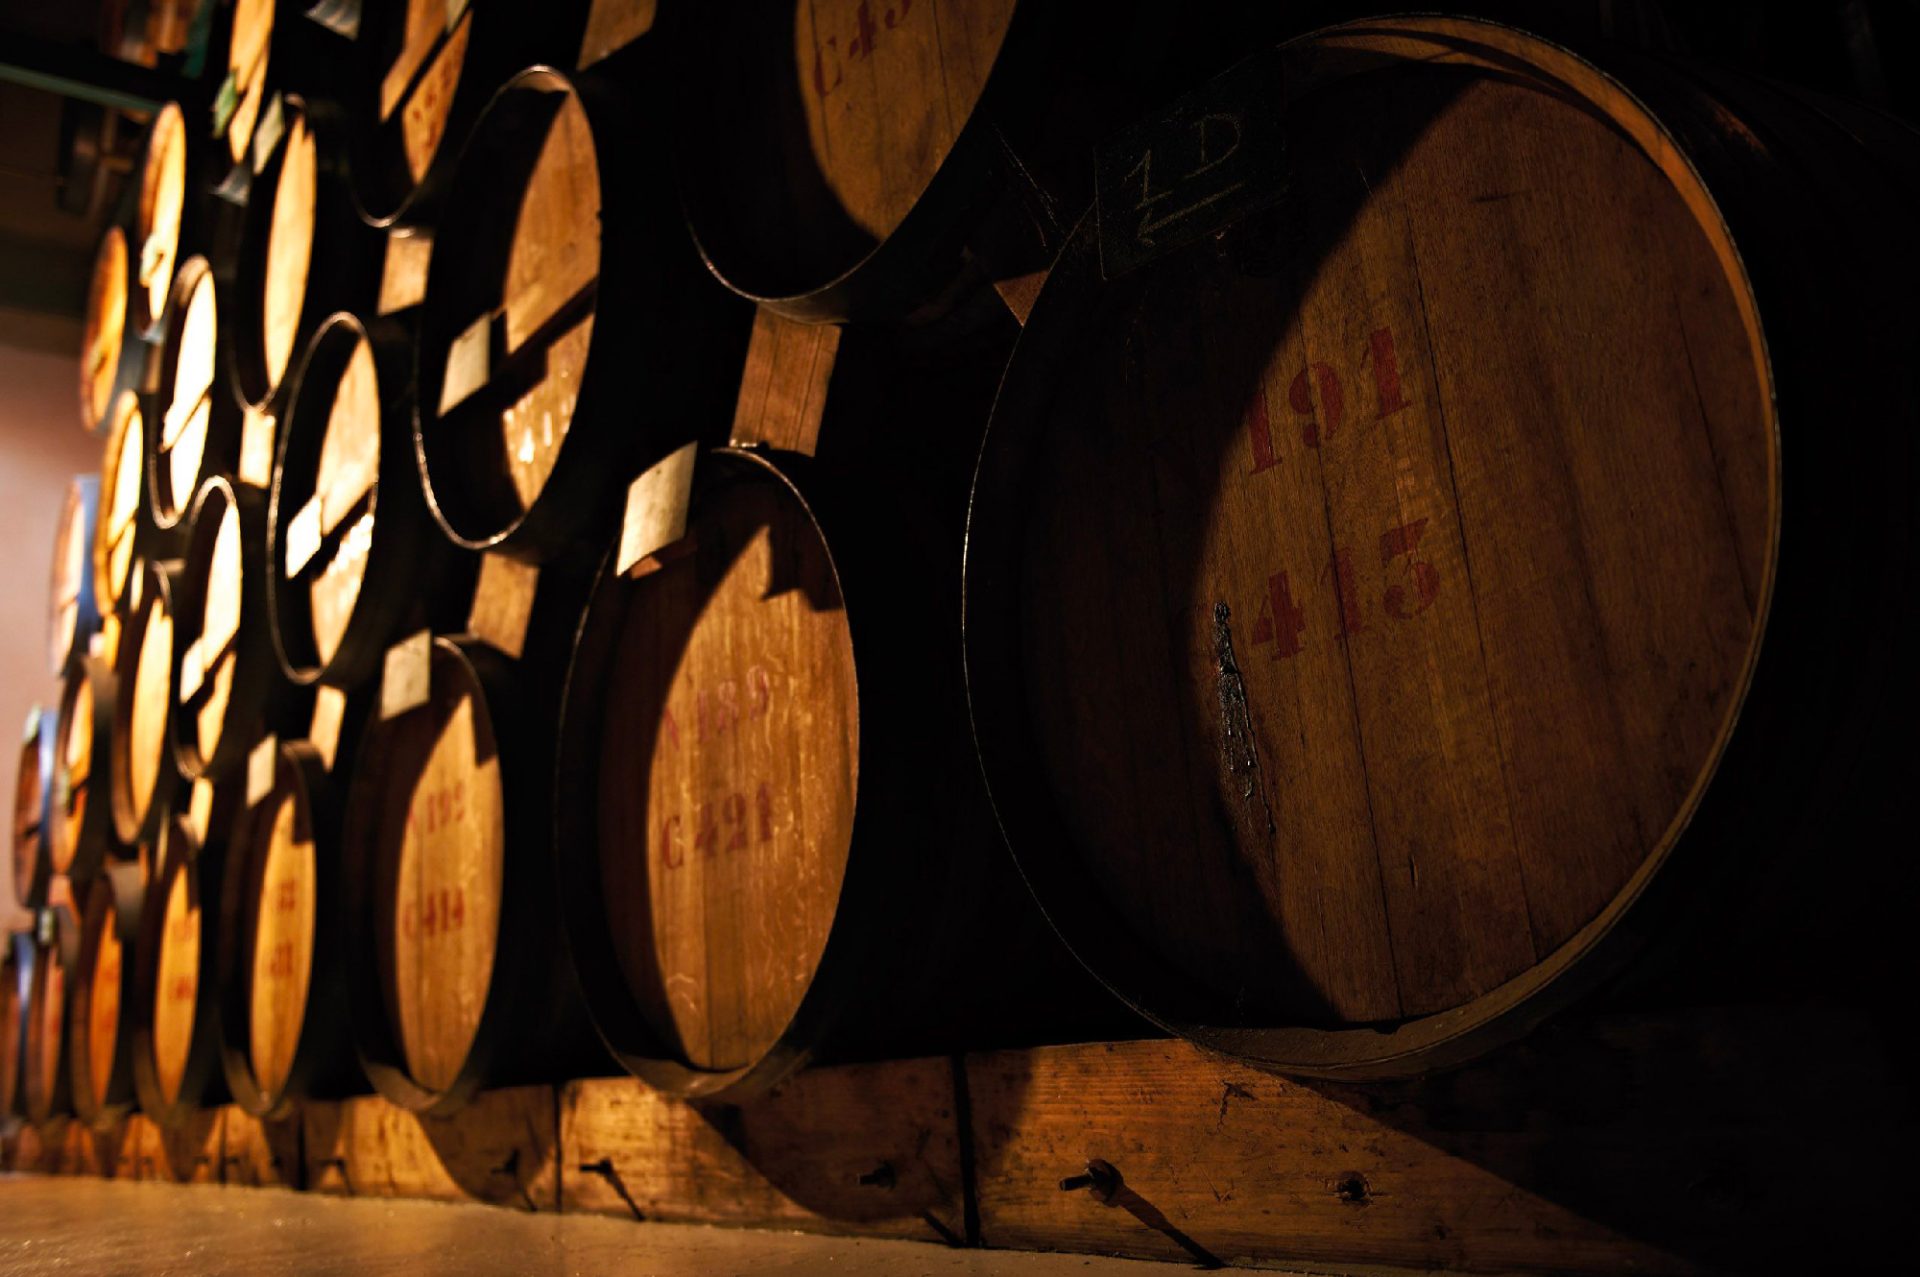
[{"x": 632, "y": 557}]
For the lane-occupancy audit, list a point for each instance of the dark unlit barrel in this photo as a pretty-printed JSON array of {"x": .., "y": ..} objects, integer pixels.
[
  {"x": 111, "y": 359},
  {"x": 44, "y": 1089},
  {"x": 457, "y": 978},
  {"x": 120, "y": 530},
  {"x": 175, "y": 1011},
  {"x": 143, "y": 774},
  {"x": 427, "y": 70},
  {"x": 282, "y": 973},
  {"x": 101, "y": 995},
  {"x": 80, "y": 817},
  {"x": 16, "y": 969},
  {"x": 74, "y": 616},
  {"x": 196, "y": 431},
  {"x": 33, "y": 809},
  {"x": 353, "y": 559},
  {"x": 535, "y": 336},
  {"x": 226, "y": 677},
  {"x": 1365, "y": 608}
]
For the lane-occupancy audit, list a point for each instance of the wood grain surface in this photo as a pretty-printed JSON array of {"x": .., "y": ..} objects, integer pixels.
[
  {"x": 162, "y": 201},
  {"x": 141, "y": 757},
  {"x": 104, "y": 326},
  {"x": 178, "y": 999},
  {"x": 13, "y": 973},
  {"x": 123, "y": 483},
  {"x": 783, "y": 388},
  {"x": 96, "y": 1050},
  {"x": 249, "y": 43},
  {"x": 500, "y": 1149},
  {"x": 282, "y": 911},
  {"x": 289, "y": 258},
  {"x": 44, "y": 1062},
  {"x": 344, "y": 488},
  {"x": 726, "y": 817},
  {"x": 181, "y": 451}
]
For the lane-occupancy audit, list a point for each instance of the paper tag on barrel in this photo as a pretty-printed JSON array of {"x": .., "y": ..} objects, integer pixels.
[
  {"x": 273, "y": 123},
  {"x": 303, "y": 536},
  {"x": 1205, "y": 162},
  {"x": 224, "y": 103},
  {"x": 468, "y": 362},
  {"x": 503, "y": 603},
  {"x": 256, "y": 447},
  {"x": 329, "y": 714},
  {"x": 342, "y": 17},
  {"x": 656, "y": 513},
  {"x": 260, "y": 767},
  {"x": 407, "y": 677}
]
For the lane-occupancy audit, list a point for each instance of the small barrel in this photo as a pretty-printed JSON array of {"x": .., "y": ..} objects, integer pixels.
[
  {"x": 427, "y": 69},
  {"x": 283, "y": 957},
  {"x": 101, "y": 992},
  {"x": 44, "y": 1073},
  {"x": 112, "y": 360},
  {"x": 80, "y": 824},
  {"x": 302, "y": 254},
  {"x": 75, "y": 615},
  {"x": 162, "y": 203},
  {"x": 121, "y": 529},
  {"x": 16, "y": 969},
  {"x": 196, "y": 429},
  {"x": 1365, "y": 604},
  {"x": 555, "y": 365},
  {"x": 33, "y": 811},
  {"x": 225, "y": 675},
  {"x": 175, "y": 1020},
  {"x": 354, "y": 560},
  {"x": 457, "y": 975},
  {"x": 143, "y": 774}
]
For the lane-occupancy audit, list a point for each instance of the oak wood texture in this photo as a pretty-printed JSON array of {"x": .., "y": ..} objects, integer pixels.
[
  {"x": 864, "y": 1150},
  {"x": 187, "y": 1153},
  {"x": 44, "y": 1073},
  {"x": 72, "y": 617},
  {"x": 33, "y": 809},
  {"x": 227, "y": 687},
  {"x": 500, "y": 1149},
  {"x": 143, "y": 773},
  {"x": 403, "y": 272},
  {"x": 159, "y": 210},
  {"x": 16, "y": 968},
  {"x": 101, "y": 988},
  {"x": 80, "y": 825},
  {"x": 103, "y": 333},
  {"x": 118, "y": 528},
  {"x": 196, "y": 432},
  {"x": 249, "y": 45},
  {"x": 611, "y": 26},
  {"x": 289, "y": 247},
  {"x": 783, "y": 388},
  {"x": 175, "y": 1025},
  {"x": 1432, "y": 536}
]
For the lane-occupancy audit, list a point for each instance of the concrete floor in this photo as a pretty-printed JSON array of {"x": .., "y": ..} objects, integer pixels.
[{"x": 84, "y": 1226}]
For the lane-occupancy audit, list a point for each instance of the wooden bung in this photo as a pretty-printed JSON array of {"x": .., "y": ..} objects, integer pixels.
[
  {"x": 16, "y": 972},
  {"x": 226, "y": 683},
  {"x": 44, "y": 1075},
  {"x": 144, "y": 775},
  {"x": 33, "y": 810},
  {"x": 160, "y": 216},
  {"x": 553, "y": 366},
  {"x": 175, "y": 1020},
  {"x": 744, "y": 715},
  {"x": 101, "y": 990},
  {"x": 1365, "y": 603},
  {"x": 111, "y": 359},
  {"x": 121, "y": 530},
  {"x": 302, "y": 254},
  {"x": 282, "y": 951},
  {"x": 72, "y": 619},
  {"x": 426, "y": 70},
  {"x": 353, "y": 562},
  {"x": 195, "y": 430},
  {"x": 457, "y": 977},
  {"x": 80, "y": 824}
]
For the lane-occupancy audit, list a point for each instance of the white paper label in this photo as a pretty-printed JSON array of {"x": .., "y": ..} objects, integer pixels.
[
  {"x": 266, "y": 135},
  {"x": 260, "y": 768},
  {"x": 193, "y": 671},
  {"x": 303, "y": 536},
  {"x": 329, "y": 711},
  {"x": 467, "y": 363},
  {"x": 406, "y": 680},
  {"x": 656, "y": 514}
]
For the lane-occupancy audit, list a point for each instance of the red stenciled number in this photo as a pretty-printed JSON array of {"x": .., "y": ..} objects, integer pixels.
[
  {"x": 1386, "y": 372},
  {"x": 1340, "y": 568},
  {"x": 1323, "y": 424},
  {"x": 1260, "y": 431},
  {"x": 1398, "y": 543},
  {"x": 672, "y": 854},
  {"x": 735, "y": 816},
  {"x": 1281, "y": 623},
  {"x": 763, "y": 800}
]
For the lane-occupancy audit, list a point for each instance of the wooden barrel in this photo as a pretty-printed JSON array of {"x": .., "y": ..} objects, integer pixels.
[
  {"x": 121, "y": 530},
  {"x": 143, "y": 775},
  {"x": 457, "y": 976},
  {"x": 282, "y": 954},
  {"x": 73, "y": 615},
  {"x": 554, "y": 366},
  {"x": 426, "y": 70},
  {"x": 80, "y": 819},
  {"x": 243, "y": 94},
  {"x": 302, "y": 253},
  {"x": 740, "y": 726},
  {"x": 16, "y": 969},
  {"x": 354, "y": 559},
  {"x": 44, "y": 1072},
  {"x": 111, "y": 359},
  {"x": 162, "y": 201},
  {"x": 33, "y": 811},
  {"x": 1364, "y": 607},
  {"x": 100, "y": 995},
  {"x": 195, "y": 431},
  {"x": 226, "y": 678},
  {"x": 175, "y": 1020}
]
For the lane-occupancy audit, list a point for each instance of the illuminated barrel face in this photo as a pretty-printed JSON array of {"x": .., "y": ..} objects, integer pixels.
[
  {"x": 123, "y": 481},
  {"x": 279, "y": 974},
  {"x": 105, "y": 327}
]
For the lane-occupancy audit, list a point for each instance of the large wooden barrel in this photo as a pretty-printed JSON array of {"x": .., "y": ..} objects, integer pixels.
[
  {"x": 426, "y": 70},
  {"x": 121, "y": 530},
  {"x": 195, "y": 431},
  {"x": 282, "y": 954},
  {"x": 111, "y": 359},
  {"x": 457, "y": 974},
  {"x": 1380, "y": 614},
  {"x": 80, "y": 818},
  {"x": 162, "y": 202},
  {"x": 143, "y": 775},
  {"x": 302, "y": 253},
  {"x": 354, "y": 560},
  {"x": 749, "y": 733},
  {"x": 175, "y": 1012},
  {"x": 100, "y": 995},
  {"x": 555, "y": 365},
  {"x": 16, "y": 969},
  {"x": 70, "y": 590},
  {"x": 44, "y": 1089},
  {"x": 226, "y": 677},
  {"x": 33, "y": 810}
]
